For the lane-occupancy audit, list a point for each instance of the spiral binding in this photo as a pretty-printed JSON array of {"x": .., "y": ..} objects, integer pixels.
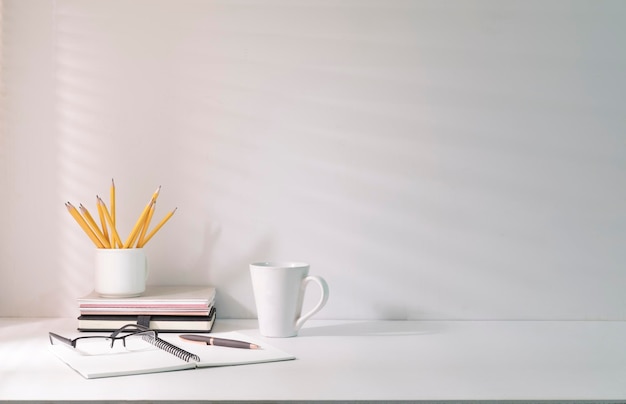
[{"x": 171, "y": 348}]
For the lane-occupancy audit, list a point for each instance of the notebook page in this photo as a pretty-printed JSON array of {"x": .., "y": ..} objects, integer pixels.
[
  {"x": 99, "y": 360},
  {"x": 95, "y": 360},
  {"x": 223, "y": 356}
]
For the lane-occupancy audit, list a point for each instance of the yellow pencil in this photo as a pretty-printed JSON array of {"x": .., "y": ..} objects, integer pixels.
[
  {"x": 94, "y": 226},
  {"x": 140, "y": 222},
  {"x": 132, "y": 237},
  {"x": 79, "y": 219},
  {"x": 158, "y": 226},
  {"x": 155, "y": 195},
  {"x": 116, "y": 238},
  {"x": 103, "y": 223},
  {"x": 144, "y": 229},
  {"x": 112, "y": 196}
]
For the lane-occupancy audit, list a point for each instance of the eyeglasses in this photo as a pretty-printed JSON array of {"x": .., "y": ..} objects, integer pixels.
[{"x": 132, "y": 332}]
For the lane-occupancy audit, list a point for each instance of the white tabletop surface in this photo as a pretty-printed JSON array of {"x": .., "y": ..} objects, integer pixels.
[{"x": 352, "y": 360}]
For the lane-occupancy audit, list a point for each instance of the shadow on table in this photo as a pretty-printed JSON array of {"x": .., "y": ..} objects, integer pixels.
[{"x": 373, "y": 328}]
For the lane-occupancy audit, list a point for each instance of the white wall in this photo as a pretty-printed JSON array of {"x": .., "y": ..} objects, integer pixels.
[{"x": 432, "y": 159}]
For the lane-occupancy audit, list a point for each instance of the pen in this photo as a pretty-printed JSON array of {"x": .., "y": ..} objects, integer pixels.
[{"x": 231, "y": 343}]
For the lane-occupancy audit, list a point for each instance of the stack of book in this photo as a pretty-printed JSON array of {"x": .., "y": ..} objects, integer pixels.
[{"x": 162, "y": 308}]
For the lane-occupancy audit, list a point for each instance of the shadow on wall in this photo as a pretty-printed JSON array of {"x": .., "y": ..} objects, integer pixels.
[{"x": 399, "y": 145}]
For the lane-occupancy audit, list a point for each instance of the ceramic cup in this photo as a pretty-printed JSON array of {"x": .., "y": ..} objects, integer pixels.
[
  {"x": 278, "y": 289},
  {"x": 120, "y": 272}
]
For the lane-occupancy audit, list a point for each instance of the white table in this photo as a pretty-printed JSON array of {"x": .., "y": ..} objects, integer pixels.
[{"x": 352, "y": 360}]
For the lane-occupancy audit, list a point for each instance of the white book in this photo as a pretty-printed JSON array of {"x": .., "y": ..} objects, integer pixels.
[
  {"x": 159, "y": 297},
  {"x": 96, "y": 360}
]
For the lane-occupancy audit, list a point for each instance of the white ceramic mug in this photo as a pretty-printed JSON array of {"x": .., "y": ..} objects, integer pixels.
[
  {"x": 279, "y": 292},
  {"x": 120, "y": 272}
]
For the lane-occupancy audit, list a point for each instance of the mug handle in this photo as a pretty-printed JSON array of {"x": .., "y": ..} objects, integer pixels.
[{"x": 324, "y": 287}]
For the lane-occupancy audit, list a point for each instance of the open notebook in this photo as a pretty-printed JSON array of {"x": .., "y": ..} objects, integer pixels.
[{"x": 99, "y": 360}]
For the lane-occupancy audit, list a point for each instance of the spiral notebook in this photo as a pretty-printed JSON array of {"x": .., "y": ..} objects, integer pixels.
[{"x": 99, "y": 360}]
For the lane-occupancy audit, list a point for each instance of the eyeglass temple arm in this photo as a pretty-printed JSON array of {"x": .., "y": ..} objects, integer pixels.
[{"x": 60, "y": 338}]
